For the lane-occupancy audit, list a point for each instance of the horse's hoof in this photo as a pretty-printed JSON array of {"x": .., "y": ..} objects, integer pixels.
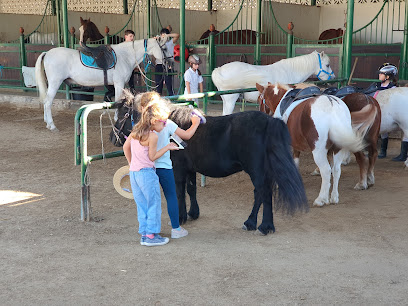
[
  {"x": 360, "y": 186},
  {"x": 316, "y": 172},
  {"x": 244, "y": 227},
  {"x": 259, "y": 233},
  {"x": 319, "y": 202},
  {"x": 334, "y": 200}
]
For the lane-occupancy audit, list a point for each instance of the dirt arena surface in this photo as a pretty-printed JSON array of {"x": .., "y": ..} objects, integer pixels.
[{"x": 353, "y": 253}]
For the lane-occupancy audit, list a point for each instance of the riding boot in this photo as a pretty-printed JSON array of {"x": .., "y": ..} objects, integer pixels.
[
  {"x": 384, "y": 146},
  {"x": 403, "y": 153}
]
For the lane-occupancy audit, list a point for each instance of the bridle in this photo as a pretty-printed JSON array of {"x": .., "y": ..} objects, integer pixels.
[
  {"x": 118, "y": 132},
  {"x": 263, "y": 102},
  {"x": 330, "y": 74}
]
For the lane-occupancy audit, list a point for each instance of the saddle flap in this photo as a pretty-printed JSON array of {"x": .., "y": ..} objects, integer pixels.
[
  {"x": 330, "y": 91},
  {"x": 308, "y": 92},
  {"x": 344, "y": 91}
]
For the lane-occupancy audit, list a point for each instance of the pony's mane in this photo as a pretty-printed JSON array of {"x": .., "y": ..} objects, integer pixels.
[
  {"x": 180, "y": 114},
  {"x": 283, "y": 86}
]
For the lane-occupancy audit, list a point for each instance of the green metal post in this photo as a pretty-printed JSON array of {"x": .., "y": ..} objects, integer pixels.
[
  {"x": 23, "y": 55},
  {"x": 211, "y": 59},
  {"x": 107, "y": 39},
  {"x": 54, "y": 7},
  {"x": 209, "y": 6},
  {"x": 404, "y": 49},
  {"x": 289, "y": 44},
  {"x": 257, "y": 60},
  {"x": 348, "y": 40},
  {"x": 64, "y": 8},
  {"x": 149, "y": 18},
  {"x": 182, "y": 41},
  {"x": 58, "y": 15},
  {"x": 125, "y": 7},
  {"x": 65, "y": 22}
]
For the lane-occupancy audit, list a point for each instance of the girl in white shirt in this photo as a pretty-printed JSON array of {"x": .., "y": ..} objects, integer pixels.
[{"x": 193, "y": 77}]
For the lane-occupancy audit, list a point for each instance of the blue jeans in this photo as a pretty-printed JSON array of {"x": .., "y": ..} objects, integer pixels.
[
  {"x": 166, "y": 178},
  {"x": 146, "y": 192}
]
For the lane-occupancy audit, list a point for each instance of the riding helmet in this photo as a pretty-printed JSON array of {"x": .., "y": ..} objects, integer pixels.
[
  {"x": 194, "y": 59},
  {"x": 388, "y": 69}
]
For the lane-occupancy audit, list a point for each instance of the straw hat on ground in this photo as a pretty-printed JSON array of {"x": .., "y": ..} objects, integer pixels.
[{"x": 121, "y": 182}]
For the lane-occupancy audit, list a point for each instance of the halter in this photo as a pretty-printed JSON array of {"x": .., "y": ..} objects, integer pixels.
[
  {"x": 262, "y": 96},
  {"x": 146, "y": 57},
  {"x": 330, "y": 74},
  {"x": 119, "y": 131}
]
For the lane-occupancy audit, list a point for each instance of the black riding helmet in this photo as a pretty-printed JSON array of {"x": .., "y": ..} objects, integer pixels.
[{"x": 388, "y": 69}]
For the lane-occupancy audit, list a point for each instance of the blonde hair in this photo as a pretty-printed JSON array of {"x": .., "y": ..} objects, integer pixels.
[
  {"x": 154, "y": 109},
  {"x": 143, "y": 99}
]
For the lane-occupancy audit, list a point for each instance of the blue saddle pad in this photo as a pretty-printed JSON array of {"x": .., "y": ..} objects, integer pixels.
[{"x": 89, "y": 61}]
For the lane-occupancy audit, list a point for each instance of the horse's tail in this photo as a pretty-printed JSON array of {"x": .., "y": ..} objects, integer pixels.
[
  {"x": 216, "y": 77},
  {"x": 363, "y": 119},
  {"x": 346, "y": 136},
  {"x": 40, "y": 76},
  {"x": 288, "y": 190}
]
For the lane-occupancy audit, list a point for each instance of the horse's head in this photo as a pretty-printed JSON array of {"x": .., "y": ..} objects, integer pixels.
[
  {"x": 156, "y": 47},
  {"x": 270, "y": 96},
  {"x": 323, "y": 69},
  {"x": 128, "y": 116},
  {"x": 88, "y": 30}
]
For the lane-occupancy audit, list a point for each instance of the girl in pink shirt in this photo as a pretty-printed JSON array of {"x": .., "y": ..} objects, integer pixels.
[{"x": 140, "y": 151}]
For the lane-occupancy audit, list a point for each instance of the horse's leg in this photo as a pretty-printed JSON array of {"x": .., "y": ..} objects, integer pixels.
[
  {"x": 228, "y": 102},
  {"x": 267, "y": 225},
  {"x": 320, "y": 158},
  {"x": 372, "y": 158},
  {"x": 180, "y": 176},
  {"x": 51, "y": 92},
  {"x": 362, "y": 162},
  {"x": 194, "y": 211},
  {"x": 296, "y": 155},
  {"x": 250, "y": 223},
  {"x": 336, "y": 170}
]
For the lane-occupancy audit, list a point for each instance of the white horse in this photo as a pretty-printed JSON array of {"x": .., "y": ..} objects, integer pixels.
[
  {"x": 43, "y": 38},
  {"x": 238, "y": 75},
  {"x": 63, "y": 64}
]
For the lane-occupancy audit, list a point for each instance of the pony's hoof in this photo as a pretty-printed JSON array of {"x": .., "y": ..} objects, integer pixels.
[
  {"x": 259, "y": 233},
  {"x": 360, "y": 186},
  {"x": 244, "y": 227},
  {"x": 316, "y": 172},
  {"x": 334, "y": 200},
  {"x": 319, "y": 202}
]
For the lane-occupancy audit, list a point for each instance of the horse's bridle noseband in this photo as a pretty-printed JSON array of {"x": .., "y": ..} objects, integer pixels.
[
  {"x": 119, "y": 131},
  {"x": 330, "y": 74}
]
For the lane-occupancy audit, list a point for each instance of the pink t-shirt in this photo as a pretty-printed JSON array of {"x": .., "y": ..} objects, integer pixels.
[{"x": 140, "y": 156}]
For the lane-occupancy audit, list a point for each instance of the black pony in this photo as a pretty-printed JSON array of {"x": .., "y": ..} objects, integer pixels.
[{"x": 251, "y": 141}]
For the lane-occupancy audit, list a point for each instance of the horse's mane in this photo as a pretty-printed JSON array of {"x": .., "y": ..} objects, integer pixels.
[{"x": 180, "y": 114}]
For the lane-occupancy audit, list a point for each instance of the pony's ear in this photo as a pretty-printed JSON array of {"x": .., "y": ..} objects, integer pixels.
[
  {"x": 269, "y": 83},
  {"x": 80, "y": 19},
  {"x": 259, "y": 87},
  {"x": 322, "y": 54}
]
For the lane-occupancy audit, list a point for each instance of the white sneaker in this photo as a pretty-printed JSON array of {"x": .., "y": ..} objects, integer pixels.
[{"x": 178, "y": 232}]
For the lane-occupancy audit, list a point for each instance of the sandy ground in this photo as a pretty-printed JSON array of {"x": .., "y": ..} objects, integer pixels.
[{"x": 355, "y": 252}]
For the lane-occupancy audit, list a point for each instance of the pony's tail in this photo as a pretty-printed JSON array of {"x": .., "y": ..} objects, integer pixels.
[
  {"x": 288, "y": 190},
  {"x": 40, "y": 76},
  {"x": 363, "y": 119}
]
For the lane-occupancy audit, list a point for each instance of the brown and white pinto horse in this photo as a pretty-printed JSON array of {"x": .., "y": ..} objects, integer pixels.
[{"x": 321, "y": 125}]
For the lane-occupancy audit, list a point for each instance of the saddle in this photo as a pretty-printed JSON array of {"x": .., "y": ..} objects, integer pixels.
[
  {"x": 104, "y": 57},
  {"x": 340, "y": 93},
  {"x": 298, "y": 94}
]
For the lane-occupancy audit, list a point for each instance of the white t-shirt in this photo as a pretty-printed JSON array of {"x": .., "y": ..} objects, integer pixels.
[
  {"x": 169, "y": 53},
  {"x": 164, "y": 139},
  {"x": 194, "y": 79}
]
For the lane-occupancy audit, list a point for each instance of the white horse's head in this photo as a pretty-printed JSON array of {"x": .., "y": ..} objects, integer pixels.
[
  {"x": 155, "y": 47},
  {"x": 323, "y": 71}
]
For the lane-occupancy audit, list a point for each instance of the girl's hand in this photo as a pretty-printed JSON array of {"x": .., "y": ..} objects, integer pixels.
[
  {"x": 172, "y": 147},
  {"x": 195, "y": 120}
]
